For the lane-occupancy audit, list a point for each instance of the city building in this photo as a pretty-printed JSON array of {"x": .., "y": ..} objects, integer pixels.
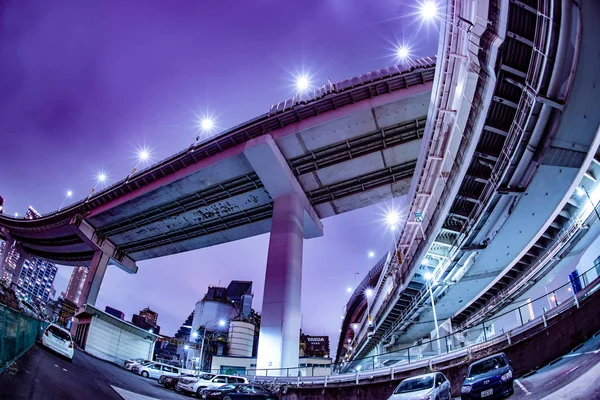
[
  {"x": 31, "y": 213},
  {"x": 114, "y": 312},
  {"x": 147, "y": 320},
  {"x": 9, "y": 266},
  {"x": 36, "y": 281},
  {"x": 1, "y": 205},
  {"x": 75, "y": 285},
  {"x": 151, "y": 316},
  {"x": 313, "y": 355}
]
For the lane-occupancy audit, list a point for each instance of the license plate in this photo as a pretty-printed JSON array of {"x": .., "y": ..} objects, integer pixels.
[{"x": 487, "y": 393}]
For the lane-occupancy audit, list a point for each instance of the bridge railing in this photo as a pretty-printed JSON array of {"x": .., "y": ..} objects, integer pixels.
[
  {"x": 515, "y": 321},
  {"x": 18, "y": 333}
]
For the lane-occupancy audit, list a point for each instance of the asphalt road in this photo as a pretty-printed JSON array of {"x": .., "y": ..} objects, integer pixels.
[
  {"x": 574, "y": 377},
  {"x": 42, "y": 375}
]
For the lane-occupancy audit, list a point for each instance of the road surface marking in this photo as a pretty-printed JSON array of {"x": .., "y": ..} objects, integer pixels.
[
  {"x": 64, "y": 370},
  {"x": 127, "y": 395},
  {"x": 523, "y": 388},
  {"x": 580, "y": 354},
  {"x": 56, "y": 365}
]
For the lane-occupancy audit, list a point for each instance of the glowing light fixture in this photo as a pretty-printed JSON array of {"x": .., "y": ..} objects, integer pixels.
[
  {"x": 302, "y": 83},
  {"x": 194, "y": 334},
  {"x": 186, "y": 347},
  {"x": 348, "y": 290},
  {"x": 428, "y": 276},
  {"x": 428, "y": 10},
  {"x": 69, "y": 193},
  {"x": 369, "y": 292},
  {"x": 371, "y": 254},
  {"x": 222, "y": 322},
  {"x": 392, "y": 218},
  {"x": 207, "y": 124}
]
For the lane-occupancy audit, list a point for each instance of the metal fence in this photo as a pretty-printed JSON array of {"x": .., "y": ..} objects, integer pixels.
[
  {"x": 531, "y": 313},
  {"x": 18, "y": 333}
]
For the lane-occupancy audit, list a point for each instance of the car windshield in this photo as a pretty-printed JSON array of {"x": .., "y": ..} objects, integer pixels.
[
  {"x": 206, "y": 376},
  {"x": 486, "y": 366},
  {"x": 58, "y": 332},
  {"x": 414, "y": 384}
]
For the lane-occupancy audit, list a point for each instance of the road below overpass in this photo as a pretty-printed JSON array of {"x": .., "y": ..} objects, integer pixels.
[{"x": 42, "y": 375}]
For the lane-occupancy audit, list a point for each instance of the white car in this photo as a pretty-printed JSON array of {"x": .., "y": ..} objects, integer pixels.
[
  {"x": 129, "y": 364},
  {"x": 58, "y": 340},
  {"x": 207, "y": 381},
  {"x": 156, "y": 370},
  {"x": 432, "y": 386}
]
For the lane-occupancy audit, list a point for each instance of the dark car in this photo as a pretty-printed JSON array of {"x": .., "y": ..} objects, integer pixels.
[
  {"x": 170, "y": 382},
  {"x": 488, "y": 378},
  {"x": 234, "y": 392}
]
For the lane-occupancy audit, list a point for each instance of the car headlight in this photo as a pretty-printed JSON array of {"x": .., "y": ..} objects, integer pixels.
[
  {"x": 506, "y": 376},
  {"x": 192, "y": 380},
  {"x": 466, "y": 389}
]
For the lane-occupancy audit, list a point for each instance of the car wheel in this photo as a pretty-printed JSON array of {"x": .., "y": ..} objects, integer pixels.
[{"x": 145, "y": 374}]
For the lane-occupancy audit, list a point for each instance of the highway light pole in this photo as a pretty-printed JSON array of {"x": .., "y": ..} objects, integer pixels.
[{"x": 429, "y": 278}]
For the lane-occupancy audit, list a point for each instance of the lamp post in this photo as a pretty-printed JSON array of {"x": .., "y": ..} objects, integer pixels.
[
  {"x": 222, "y": 323},
  {"x": 429, "y": 279},
  {"x": 68, "y": 194}
]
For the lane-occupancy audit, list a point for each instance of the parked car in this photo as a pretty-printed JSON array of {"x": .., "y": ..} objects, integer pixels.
[
  {"x": 234, "y": 392},
  {"x": 129, "y": 364},
  {"x": 156, "y": 370},
  {"x": 170, "y": 382},
  {"x": 207, "y": 381},
  {"x": 59, "y": 340},
  {"x": 489, "y": 378},
  {"x": 432, "y": 386}
]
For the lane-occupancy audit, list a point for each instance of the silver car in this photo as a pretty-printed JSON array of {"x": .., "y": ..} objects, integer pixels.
[{"x": 432, "y": 386}]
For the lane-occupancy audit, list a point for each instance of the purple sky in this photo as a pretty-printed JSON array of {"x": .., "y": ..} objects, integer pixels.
[{"x": 85, "y": 83}]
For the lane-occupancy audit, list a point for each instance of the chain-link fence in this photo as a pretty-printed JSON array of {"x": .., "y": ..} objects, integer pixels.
[{"x": 18, "y": 333}]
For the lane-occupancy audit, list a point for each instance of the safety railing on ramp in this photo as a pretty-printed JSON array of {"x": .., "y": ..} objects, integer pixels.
[
  {"x": 18, "y": 333},
  {"x": 501, "y": 328}
]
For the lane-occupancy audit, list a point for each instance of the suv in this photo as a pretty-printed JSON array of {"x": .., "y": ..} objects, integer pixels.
[
  {"x": 490, "y": 377},
  {"x": 156, "y": 370},
  {"x": 207, "y": 381}
]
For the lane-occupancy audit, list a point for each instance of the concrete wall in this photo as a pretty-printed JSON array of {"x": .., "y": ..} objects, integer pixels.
[{"x": 529, "y": 351}]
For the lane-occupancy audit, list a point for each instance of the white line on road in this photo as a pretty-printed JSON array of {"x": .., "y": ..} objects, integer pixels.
[
  {"x": 523, "y": 388},
  {"x": 127, "y": 395}
]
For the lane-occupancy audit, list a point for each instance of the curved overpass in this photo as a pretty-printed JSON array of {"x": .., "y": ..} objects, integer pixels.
[
  {"x": 345, "y": 146},
  {"x": 499, "y": 214}
]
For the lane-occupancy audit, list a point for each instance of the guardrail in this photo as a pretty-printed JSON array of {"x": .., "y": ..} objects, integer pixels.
[
  {"x": 453, "y": 346},
  {"x": 18, "y": 333}
]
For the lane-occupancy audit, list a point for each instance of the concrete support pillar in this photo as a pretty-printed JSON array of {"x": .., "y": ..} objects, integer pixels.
[
  {"x": 93, "y": 280},
  {"x": 279, "y": 340}
]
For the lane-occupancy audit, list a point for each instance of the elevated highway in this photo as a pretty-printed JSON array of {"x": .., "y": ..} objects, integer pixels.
[
  {"x": 346, "y": 145},
  {"x": 507, "y": 203}
]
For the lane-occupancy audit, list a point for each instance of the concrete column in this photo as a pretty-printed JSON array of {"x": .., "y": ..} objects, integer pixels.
[
  {"x": 279, "y": 340},
  {"x": 93, "y": 280}
]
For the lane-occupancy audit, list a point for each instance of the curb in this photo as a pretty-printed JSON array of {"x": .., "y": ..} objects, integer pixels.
[
  {"x": 527, "y": 375},
  {"x": 555, "y": 360},
  {"x": 577, "y": 347}
]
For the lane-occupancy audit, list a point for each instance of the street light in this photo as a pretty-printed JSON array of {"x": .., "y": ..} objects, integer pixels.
[
  {"x": 371, "y": 254},
  {"x": 221, "y": 323},
  {"x": 68, "y": 194},
  {"x": 429, "y": 278},
  {"x": 392, "y": 218},
  {"x": 101, "y": 179},
  {"x": 428, "y": 10},
  {"x": 143, "y": 155}
]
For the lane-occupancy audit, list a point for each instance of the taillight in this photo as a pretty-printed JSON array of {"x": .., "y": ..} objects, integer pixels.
[
  {"x": 46, "y": 333},
  {"x": 70, "y": 345}
]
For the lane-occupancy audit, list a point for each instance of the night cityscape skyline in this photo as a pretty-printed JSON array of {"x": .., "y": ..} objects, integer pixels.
[{"x": 141, "y": 111}]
